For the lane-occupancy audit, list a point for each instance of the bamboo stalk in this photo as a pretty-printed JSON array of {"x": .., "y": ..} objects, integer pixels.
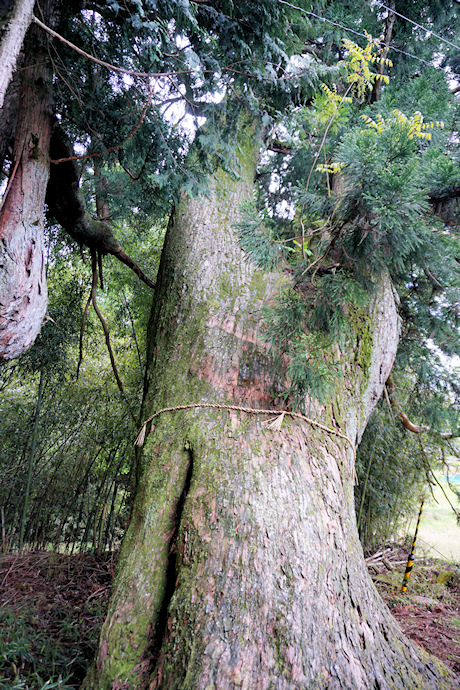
[{"x": 3, "y": 530}]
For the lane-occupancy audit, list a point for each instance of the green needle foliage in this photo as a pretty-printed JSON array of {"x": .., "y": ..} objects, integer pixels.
[{"x": 352, "y": 200}]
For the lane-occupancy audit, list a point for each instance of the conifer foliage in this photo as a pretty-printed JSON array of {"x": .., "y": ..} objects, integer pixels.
[{"x": 352, "y": 198}]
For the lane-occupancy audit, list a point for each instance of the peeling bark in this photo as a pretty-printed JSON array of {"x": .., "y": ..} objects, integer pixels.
[
  {"x": 23, "y": 292},
  {"x": 268, "y": 587},
  {"x": 8, "y": 119}
]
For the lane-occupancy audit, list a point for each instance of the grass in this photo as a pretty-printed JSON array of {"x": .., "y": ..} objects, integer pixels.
[
  {"x": 29, "y": 654},
  {"x": 26, "y": 651},
  {"x": 439, "y": 532}
]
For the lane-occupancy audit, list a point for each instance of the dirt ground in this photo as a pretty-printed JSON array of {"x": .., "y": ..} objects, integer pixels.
[
  {"x": 429, "y": 612},
  {"x": 52, "y": 606}
]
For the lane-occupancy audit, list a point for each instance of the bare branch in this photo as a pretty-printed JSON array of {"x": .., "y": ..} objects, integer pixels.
[
  {"x": 410, "y": 426},
  {"x": 106, "y": 333},
  {"x": 102, "y": 63}
]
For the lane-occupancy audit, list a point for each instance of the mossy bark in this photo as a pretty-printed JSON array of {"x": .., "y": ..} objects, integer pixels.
[{"x": 241, "y": 567}]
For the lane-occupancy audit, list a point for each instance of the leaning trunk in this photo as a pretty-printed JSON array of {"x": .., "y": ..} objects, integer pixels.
[
  {"x": 241, "y": 566},
  {"x": 23, "y": 293}
]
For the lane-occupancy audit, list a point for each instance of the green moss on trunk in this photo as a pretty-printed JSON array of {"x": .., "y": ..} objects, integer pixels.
[{"x": 242, "y": 565}]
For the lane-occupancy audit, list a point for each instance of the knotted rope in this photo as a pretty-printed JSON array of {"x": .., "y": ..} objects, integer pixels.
[{"x": 275, "y": 424}]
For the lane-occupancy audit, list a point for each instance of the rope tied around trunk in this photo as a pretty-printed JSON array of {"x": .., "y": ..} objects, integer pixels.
[{"x": 275, "y": 424}]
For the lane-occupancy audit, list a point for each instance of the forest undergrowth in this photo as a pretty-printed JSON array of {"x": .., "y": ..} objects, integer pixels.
[{"x": 52, "y": 607}]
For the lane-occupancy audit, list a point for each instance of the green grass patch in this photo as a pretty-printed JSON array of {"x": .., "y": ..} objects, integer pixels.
[{"x": 439, "y": 531}]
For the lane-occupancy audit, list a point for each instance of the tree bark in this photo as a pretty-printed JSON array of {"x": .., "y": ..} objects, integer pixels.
[
  {"x": 23, "y": 292},
  {"x": 8, "y": 120},
  {"x": 12, "y": 41},
  {"x": 241, "y": 566}
]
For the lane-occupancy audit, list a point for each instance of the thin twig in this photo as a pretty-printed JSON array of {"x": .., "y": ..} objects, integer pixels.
[
  {"x": 315, "y": 262},
  {"x": 325, "y": 134},
  {"x": 387, "y": 398},
  {"x": 99, "y": 264},
  {"x": 9, "y": 571},
  {"x": 303, "y": 238},
  {"x": 82, "y": 330},
  {"x": 106, "y": 333}
]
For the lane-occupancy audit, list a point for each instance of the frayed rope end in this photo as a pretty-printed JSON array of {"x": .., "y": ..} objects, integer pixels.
[{"x": 140, "y": 438}]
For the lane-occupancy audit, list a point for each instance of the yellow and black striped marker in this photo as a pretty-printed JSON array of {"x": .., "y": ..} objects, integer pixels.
[{"x": 410, "y": 560}]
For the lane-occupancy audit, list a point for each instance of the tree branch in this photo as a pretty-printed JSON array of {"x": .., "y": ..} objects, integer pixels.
[
  {"x": 444, "y": 194},
  {"x": 410, "y": 426},
  {"x": 106, "y": 333},
  {"x": 66, "y": 205}
]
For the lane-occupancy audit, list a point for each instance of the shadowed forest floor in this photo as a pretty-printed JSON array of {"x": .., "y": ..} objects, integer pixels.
[
  {"x": 51, "y": 609},
  {"x": 52, "y": 606}
]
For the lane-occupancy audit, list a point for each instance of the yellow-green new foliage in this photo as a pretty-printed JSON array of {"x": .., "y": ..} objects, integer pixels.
[
  {"x": 414, "y": 125},
  {"x": 358, "y": 66},
  {"x": 360, "y": 78}
]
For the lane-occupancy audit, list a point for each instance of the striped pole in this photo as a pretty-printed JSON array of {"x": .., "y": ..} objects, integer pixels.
[{"x": 410, "y": 560}]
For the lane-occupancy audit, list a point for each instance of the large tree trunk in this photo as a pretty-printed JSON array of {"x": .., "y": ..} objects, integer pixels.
[
  {"x": 241, "y": 566},
  {"x": 23, "y": 292}
]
